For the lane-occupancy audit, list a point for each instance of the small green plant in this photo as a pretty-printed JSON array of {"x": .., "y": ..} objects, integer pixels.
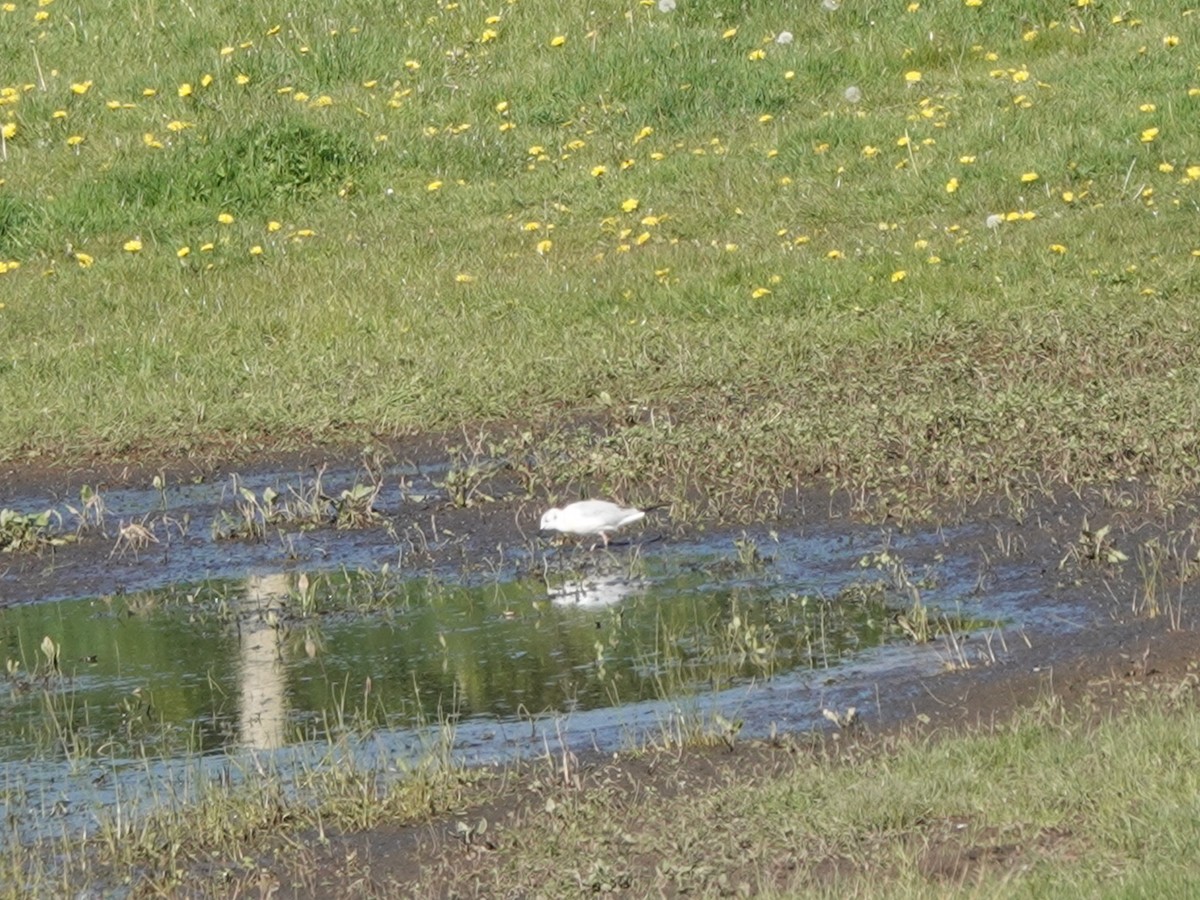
[
  {"x": 89, "y": 514},
  {"x": 355, "y": 506},
  {"x": 470, "y": 469},
  {"x": 30, "y": 532}
]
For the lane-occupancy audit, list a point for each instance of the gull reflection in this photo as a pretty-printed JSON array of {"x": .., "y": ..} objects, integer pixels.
[
  {"x": 594, "y": 592},
  {"x": 264, "y": 709}
]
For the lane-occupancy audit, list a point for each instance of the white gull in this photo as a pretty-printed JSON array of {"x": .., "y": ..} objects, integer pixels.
[{"x": 590, "y": 517}]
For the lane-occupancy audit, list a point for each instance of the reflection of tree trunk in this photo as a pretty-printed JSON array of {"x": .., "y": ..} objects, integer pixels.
[{"x": 263, "y": 709}]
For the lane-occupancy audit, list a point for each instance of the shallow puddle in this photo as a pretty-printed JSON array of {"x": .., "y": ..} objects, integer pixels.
[{"x": 137, "y": 696}]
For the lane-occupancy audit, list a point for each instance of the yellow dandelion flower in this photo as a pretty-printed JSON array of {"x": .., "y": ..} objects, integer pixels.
[
  {"x": 1166, "y": 168},
  {"x": 256, "y": 250},
  {"x": 75, "y": 140},
  {"x": 597, "y": 171},
  {"x": 1058, "y": 248},
  {"x": 1029, "y": 177},
  {"x": 177, "y": 126},
  {"x": 151, "y": 141},
  {"x": 206, "y": 80},
  {"x": 185, "y": 90},
  {"x": 759, "y": 292},
  {"x": 951, "y": 185},
  {"x": 756, "y": 55},
  {"x": 765, "y": 118},
  {"x": 1068, "y": 196},
  {"x": 81, "y": 87},
  {"x": 273, "y": 226},
  {"x": 1148, "y": 107},
  {"x": 183, "y": 252},
  {"x": 966, "y": 160},
  {"x": 132, "y": 246},
  {"x": 898, "y": 275},
  {"x": 531, "y": 226},
  {"x": 870, "y": 152},
  {"x": 85, "y": 261},
  {"x": 1171, "y": 40},
  {"x": 729, "y": 32},
  {"x": 242, "y": 79},
  {"x": 643, "y": 134},
  {"x": 464, "y": 278},
  {"x": 8, "y": 130},
  {"x": 629, "y": 205},
  {"x": 433, "y": 186},
  {"x": 1149, "y": 135},
  {"x": 558, "y": 40},
  {"x": 912, "y": 77},
  {"x": 226, "y": 51},
  {"x": 834, "y": 254},
  {"x": 544, "y": 246},
  {"x": 207, "y": 247},
  {"x": 225, "y": 218}
]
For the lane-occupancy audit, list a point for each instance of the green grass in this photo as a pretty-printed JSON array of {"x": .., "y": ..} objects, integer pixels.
[
  {"x": 936, "y": 356},
  {"x": 1052, "y": 804}
]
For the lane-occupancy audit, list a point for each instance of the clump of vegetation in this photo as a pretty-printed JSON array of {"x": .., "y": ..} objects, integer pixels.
[{"x": 24, "y": 532}]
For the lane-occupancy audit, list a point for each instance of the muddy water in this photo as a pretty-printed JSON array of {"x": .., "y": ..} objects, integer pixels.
[{"x": 197, "y": 657}]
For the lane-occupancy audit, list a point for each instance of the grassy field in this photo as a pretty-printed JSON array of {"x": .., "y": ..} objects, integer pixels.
[
  {"x": 926, "y": 251},
  {"x": 1051, "y": 805}
]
